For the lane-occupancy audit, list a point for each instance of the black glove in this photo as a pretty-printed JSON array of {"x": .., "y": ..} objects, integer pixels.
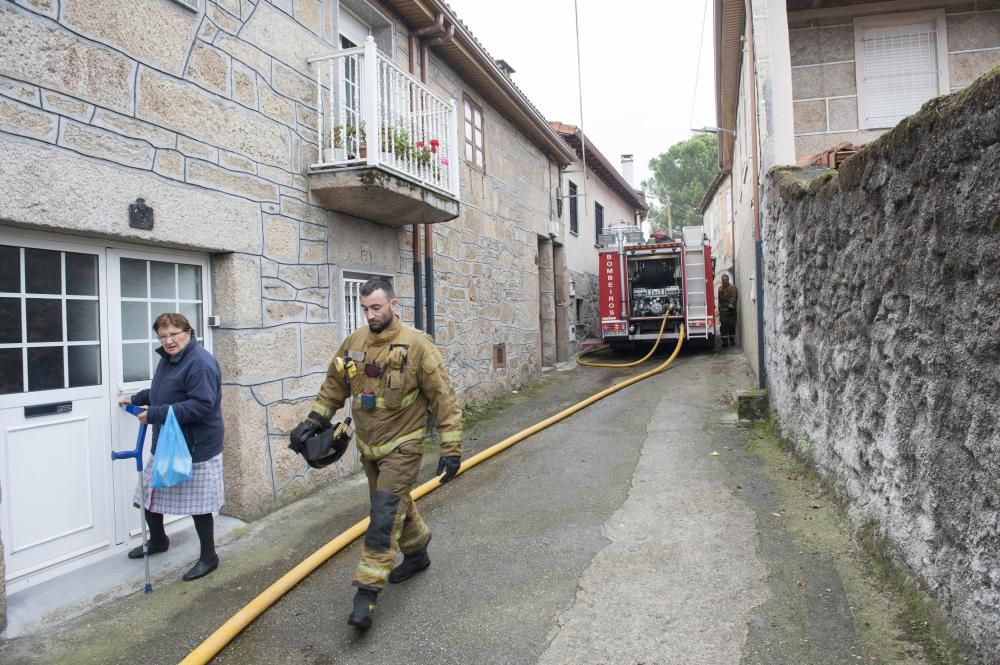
[
  {"x": 304, "y": 430},
  {"x": 448, "y": 465}
]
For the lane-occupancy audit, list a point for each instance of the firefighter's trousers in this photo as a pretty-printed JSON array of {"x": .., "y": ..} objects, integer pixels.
[{"x": 394, "y": 519}]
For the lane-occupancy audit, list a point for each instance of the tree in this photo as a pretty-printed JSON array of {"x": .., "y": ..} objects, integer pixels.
[{"x": 681, "y": 176}]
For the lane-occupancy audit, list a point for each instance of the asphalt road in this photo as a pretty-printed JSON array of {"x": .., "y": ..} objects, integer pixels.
[
  {"x": 647, "y": 529},
  {"x": 589, "y": 543}
]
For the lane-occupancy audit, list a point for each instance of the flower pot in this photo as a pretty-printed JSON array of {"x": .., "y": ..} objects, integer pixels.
[{"x": 363, "y": 150}]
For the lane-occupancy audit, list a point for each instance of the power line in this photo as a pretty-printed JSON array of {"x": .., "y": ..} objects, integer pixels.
[{"x": 697, "y": 71}]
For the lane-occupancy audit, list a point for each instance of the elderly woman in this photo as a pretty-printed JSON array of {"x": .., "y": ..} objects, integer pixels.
[{"x": 187, "y": 379}]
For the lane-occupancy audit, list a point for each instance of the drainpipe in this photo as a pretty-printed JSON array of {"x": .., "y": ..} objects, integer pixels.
[
  {"x": 437, "y": 39},
  {"x": 755, "y": 159},
  {"x": 418, "y": 280}
]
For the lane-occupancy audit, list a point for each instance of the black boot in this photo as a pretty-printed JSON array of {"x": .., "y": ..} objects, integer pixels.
[
  {"x": 412, "y": 564},
  {"x": 363, "y": 614}
]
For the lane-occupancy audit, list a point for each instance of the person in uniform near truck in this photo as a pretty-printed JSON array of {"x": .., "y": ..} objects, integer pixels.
[
  {"x": 728, "y": 299},
  {"x": 393, "y": 374}
]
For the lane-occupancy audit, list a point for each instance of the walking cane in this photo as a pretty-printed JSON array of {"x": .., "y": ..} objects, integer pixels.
[{"x": 137, "y": 454}]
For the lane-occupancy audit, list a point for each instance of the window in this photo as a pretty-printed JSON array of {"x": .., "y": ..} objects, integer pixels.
[
  {"x": 49, "y": 320},
  {"x": 475, "y": 151},
  {"x": 574, "y": 217},
  {"x": 148, "y": 289},
  {"x": 901, "y": 63},
  {"x": 598, "y": 222}
]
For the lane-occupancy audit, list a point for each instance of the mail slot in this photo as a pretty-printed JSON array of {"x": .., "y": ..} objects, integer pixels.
[{"x": 47, "y": 409}]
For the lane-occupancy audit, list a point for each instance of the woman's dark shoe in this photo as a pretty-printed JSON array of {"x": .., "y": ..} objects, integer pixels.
[
  {"x": 154, "y": 548},
  {"x": 201, "y": 569}
]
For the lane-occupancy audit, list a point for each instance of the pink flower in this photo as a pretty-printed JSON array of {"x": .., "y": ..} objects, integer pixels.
[
  {"x": 444, "y": 160},
  {"x": 419, "y": 144}
]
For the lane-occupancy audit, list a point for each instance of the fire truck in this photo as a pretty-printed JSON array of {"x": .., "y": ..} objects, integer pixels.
[{"x": 640, "y": 284}]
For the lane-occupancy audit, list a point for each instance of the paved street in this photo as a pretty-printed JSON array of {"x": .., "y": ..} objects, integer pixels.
[{"x": 644, "y": 529}]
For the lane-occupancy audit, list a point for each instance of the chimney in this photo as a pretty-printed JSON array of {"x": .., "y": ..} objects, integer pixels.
[
  {"x": 627, "y": 169},
  {"x": 505, "y": 67}
]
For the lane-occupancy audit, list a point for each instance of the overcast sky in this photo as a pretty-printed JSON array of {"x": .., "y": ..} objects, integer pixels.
[{"x": 639, "y": 61}]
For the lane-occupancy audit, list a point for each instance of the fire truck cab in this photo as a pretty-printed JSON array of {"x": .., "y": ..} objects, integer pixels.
[{"x": 640, "y": 284}]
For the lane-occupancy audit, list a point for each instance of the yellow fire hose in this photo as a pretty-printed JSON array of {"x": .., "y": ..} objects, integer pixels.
[
  {"x": 659, "y": 336},
  {"x": 215, "y": 642}
]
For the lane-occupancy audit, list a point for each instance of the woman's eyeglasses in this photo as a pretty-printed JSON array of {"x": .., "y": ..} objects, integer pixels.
[{"x": 164, "y": 338}]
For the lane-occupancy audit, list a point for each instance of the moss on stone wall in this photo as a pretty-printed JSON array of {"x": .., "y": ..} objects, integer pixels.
[{"x": 883, "y": 340}]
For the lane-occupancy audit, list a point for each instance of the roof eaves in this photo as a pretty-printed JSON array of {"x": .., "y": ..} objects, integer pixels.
[
  {"x": 468, "y": 47},
  {"x": 713, "y": 187},
  {"x": 599, "y": 164}
]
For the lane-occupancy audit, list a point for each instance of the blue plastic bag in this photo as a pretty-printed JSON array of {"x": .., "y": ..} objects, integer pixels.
[{"x": 172, "y": 460}]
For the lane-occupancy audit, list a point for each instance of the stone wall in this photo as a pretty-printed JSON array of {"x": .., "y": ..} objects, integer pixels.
[
  {"x": 883, "y": 340},
  {"x": 585, "y": 316}
]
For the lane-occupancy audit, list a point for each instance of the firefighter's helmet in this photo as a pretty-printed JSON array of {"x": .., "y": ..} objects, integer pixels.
[{"x": 326, "y": 447}]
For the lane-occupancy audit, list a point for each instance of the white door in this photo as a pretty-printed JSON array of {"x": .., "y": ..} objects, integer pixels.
[
  {"x": 141, "y": 286},
  {"x": 55, "y": 466}
]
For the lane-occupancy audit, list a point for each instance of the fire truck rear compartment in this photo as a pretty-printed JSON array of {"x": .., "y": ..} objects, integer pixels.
[{"x": 655, "y": 289}]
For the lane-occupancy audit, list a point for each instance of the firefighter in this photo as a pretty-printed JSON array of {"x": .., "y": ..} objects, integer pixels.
[
  {"x": 728, "y": 298},
  {"x": 392, "y": 374}
]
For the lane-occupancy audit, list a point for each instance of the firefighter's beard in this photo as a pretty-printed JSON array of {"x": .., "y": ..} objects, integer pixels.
[{"x": 379, "y": 323}]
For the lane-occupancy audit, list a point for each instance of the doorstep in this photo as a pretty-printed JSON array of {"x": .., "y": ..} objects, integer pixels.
[{"x": 114, "y": 576}]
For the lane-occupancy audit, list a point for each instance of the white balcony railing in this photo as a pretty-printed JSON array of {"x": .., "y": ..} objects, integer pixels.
[{"x": 379, "y": 115}]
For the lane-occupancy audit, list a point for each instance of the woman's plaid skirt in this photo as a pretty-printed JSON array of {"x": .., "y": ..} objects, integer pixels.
[{"x": 200, "y": 495}]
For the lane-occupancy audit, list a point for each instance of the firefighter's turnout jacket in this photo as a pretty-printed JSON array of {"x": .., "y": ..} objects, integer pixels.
[{"x": 391, "y": 378}]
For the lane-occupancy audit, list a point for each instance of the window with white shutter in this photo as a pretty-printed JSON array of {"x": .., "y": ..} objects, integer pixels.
[{"x": 901, "y": 62}]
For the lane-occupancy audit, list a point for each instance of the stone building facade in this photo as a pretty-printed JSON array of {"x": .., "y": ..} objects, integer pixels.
[
  {"x": 596, "y": 196},
  {"x": 207, "y": 111}
]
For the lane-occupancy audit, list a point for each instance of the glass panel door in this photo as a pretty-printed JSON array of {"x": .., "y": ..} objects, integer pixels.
[
  {"x": 55, "y": 470},
  {"x": 142, "y": 286}
]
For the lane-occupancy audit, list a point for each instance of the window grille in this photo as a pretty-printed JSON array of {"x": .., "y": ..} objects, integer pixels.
[
  {"x": 354, "y": 316},
  {"x": 900, "y": 72},
  {"x": 499, "y": 355}
]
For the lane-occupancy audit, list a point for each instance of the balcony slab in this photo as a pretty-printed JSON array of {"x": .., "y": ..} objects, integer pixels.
[{"x": 381, "y": 196}]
